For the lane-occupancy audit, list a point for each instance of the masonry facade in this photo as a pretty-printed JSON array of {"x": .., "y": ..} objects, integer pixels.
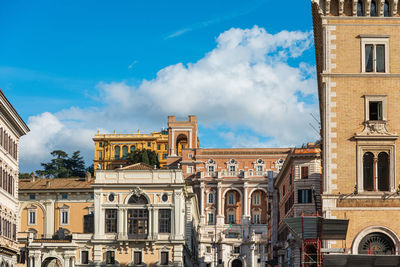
[
  {"x": 12, "y": 128},
  {"x": 357, "y": 52}
]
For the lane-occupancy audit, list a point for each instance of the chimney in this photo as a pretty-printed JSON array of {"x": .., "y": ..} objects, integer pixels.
[
  {"x": 88, "y": 176},
  {"x": 33, "y": 178},
  {"x": 171, "y": 118},
  {"x": 48, "y": 183}
]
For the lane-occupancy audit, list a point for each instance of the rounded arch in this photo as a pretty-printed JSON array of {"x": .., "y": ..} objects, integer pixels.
[
  {"x": 182, "y": 141},
  {"x": 236, "y": 263},
  {"x": 232, "y": 188},
  {"x": 52, "y": 261},
  {"x": 255, "y": 189},
  {"x": 375, "y": 229},
  {"x": 34, "y": 203},
  {"x": 129, "y": 196}
]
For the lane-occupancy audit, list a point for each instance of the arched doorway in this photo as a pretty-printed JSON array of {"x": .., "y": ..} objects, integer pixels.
[
  {"x": 377, "y": 244},
  {"x": 51, "y": 262},
  {"x": 181, "y": 143},
  {"x": 237, "y": 263}
]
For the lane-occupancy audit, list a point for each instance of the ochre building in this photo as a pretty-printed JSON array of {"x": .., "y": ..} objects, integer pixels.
[{"x": 357, "y": 46}]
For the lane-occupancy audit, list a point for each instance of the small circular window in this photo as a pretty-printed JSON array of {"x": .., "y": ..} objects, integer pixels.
[
  {"x": 232, "y": 161},
  {"x": 210, "y": 161},
  {"x": 280, "y": 160},
  {"x": 259, "y": 161},
  {"x": 111, "y": 197},
  {"x": 164, "y": 197}
]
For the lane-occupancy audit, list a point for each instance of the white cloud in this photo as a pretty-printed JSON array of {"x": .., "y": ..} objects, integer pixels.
[{"x": 245, "y": 82}]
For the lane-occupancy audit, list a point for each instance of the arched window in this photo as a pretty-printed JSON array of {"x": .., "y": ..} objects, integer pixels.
[
  {"x": 124, "y": 152},
  {"x": 368, "y": 171},
  {"x": 133, "y": 148},
  {"x": 383, "y": 171},
  {"x": 377, "y": 244},
  {"x": 386, "y": 9},
  {"x": 137, "y": 217},
  {"x": 360, "y": 9},
  {"x": 210, "y": 198},
  {"x": 117, "y": 152},
  {"x": 374, "y": 12}
]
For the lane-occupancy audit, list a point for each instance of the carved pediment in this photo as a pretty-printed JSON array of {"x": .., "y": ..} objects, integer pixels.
[
  {"x": 137, "y": 191},
  {"x": 374, "y": 130}
]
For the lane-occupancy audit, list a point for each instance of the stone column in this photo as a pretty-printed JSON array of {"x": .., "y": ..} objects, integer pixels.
[
  {"x": 37, "y": 261},
  {"x": 155, "y": 223},
  {"x": 202, "y": 215},
  {"x": 98, "y": 217},
  {"x": 73, "y": 261},
  {"x": 120, "y": 223},
  {"x": 66, "y": 262},
  {"x": 220, "y": 216},
  {"x": 178, "y": 216},
  {"x": 150, "y": 225}
]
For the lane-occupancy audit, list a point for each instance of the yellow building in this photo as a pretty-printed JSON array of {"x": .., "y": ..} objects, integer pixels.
[
  {"x": 111, "y": 150},
  {"x": 358, "y": 65}
]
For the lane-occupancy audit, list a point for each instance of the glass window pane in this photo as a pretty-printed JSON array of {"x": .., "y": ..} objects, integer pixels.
[
  {"x": 380, "y": 58},
  {"x": 373, "y": 9},
  {"x": 360, "y": 11},
  {"x": 386, "y": 9},
  {"x": 369, "y": 63}
]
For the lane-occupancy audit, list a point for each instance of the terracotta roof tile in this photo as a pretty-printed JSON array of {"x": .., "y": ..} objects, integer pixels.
[
  {"x": 137, "y": 166},
  {"x": 56, "y": 183}
]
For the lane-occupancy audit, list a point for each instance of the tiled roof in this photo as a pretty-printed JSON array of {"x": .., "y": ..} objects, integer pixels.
[
  {"x": 137, "y": 166},
  {"x": 56, "y": 183}
]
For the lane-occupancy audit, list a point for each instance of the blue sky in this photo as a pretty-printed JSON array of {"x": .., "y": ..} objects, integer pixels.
[{"x": 61, "y": 60}]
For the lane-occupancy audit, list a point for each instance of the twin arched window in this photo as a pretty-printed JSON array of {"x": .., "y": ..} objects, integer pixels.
[
  {"x": 376, "y": 172},
  {"x": 374, "y": 9}
]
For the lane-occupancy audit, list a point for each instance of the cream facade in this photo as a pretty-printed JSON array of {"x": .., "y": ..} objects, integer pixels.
[
  {"x": 12, "y": 128},
  {"x": 357, "y": 45}
]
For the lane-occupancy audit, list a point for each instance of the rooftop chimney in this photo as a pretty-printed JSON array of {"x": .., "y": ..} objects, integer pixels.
[
  {"x": 88, "y": 176},
  {"x": 33, "y": 178}
]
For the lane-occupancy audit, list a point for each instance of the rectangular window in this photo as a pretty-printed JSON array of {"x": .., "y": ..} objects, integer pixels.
[
  {"x": 64, "y": 217},
  {"x": 304, "y": 172},
  {"x": 256, "y": 218},
  {"x": 85, "y": 257},
  {"x": 110, "y": 257},
  {"x": 256, "y": 199},
  {"x": 375, "y": 110},
  {"x": 210, "y": 168},
  {"x": 166, "y": 147},
  {"x": 304, "y": 196},
  {"x": 236, "y": 250},
  {"x": 164, "y": 156},
  {"x": 164, "y": 258},
  {"x": 158, "y": 147},
  {"x": 211, "y": 218},
  {"x": 189, "y": 169},
  {"x": 32, "y": 196},
  {"x": 232, "y": 168},
  {"x": 165, "y": 221},
  {"x": 111, "y": 220},
  {"x": 88, "y": 223},
  {"x": 32, "y": 217},
  {"x": 101, "y": 144},
  {"x": 375, "y": 55},
  {"x": 183, "y": 146},
  {"x": 231, "y": 199},
  {"x": 259, "y": 168},
  {"x": 64, "y": 196},
  {"x": 100, "y": 155},
  {"x": 148, "y": 144},
  {"x": 137, "y": 257},
  {"x": 211, "y": 198},
  {"x": 231, "y": 218}
]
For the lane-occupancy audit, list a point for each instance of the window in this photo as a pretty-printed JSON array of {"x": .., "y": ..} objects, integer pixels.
[
  {"x": 236, "y": 250},
  {"x": 208, "y": 249},
  {"x": 376, "y": 180},
  {"x": 64, "y": 196},
  {"x": 164, "y": 258},
  {"x": 166, "y": 147},
  {"x": 64, "y": 217},
  {"x": 383, "y": 171},
  {"x": 124, "y": 152},
  {"x": 137, "y": 257},
  {"x": 183, "y": 146},
  {"x": 232, "y": 168},
  {"x": 210, "y": 168},
  {"x": 386, "y": 9},
  {"x": 256, "y": 198},
  {"x": 368, "y": 171},
  {"x": 375, "y": 110},
  {"x": 111, "y": 197},
  {"x": 148, "y": 144},
  {"x": 111, "y": 220},
  {"x": 304, "y": 196},
  {"x": 211, "y": 218},
  {"x": 164, "y": 156},
  {"x": 189, "y": 169},
  {"x": 101, "y": 144},
  {"x": 304, "y": 172},
  {"x": 138, "y": 220},
  {"x": 360, "y": 9},
  {"x": 100, "y": 153},
  {"x": 32, "y": 196},
  {"x": 117, "y": 152},
  {"x": 88, "y": 223},
  {"x": 231, "y": 218},
  {"x": 110, "y": 257},
  {"x": 190, "y": 156},
  {"x": 133, "y": 148},
  {"x": 211, "y": 198},
  {"x": 256, "y": 218},
  {"x": 259, "y": 168},
  {"x": 373, "y": 11},
  {"x": 165, "y": 221},
  {"x": 375, "y": 51},
  {"x": 158, "y": 147},
  {"x": 32, "y": 217},
  {"x": 283, "y": 190},
  {"x": 231, "y": 199},
  {"x": 84, "y": 257}
]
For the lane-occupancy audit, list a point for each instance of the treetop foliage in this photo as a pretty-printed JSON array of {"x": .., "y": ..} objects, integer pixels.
[
  {"x": 63, "y": 166},
  {"x": 146, "y": 156}
]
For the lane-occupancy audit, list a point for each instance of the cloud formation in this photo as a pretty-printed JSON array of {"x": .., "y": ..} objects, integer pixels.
[{"x": 246, "y": 82}]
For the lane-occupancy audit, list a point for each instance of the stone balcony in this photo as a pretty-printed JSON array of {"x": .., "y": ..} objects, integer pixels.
[
  {"x": 8, "y": 244},
  {"x": 236, "y": 174}
]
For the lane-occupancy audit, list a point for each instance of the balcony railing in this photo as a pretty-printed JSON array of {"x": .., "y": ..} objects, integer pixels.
[
  {"x": 137, "y": 236},
  {"x": 236, "y": 174}
]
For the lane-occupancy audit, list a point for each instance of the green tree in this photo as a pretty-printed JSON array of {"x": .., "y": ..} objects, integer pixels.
[
  {"x": 62, "y": 166},
  {"x": 24, "y": 175},
  {"x": 146, "y": 156}
]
